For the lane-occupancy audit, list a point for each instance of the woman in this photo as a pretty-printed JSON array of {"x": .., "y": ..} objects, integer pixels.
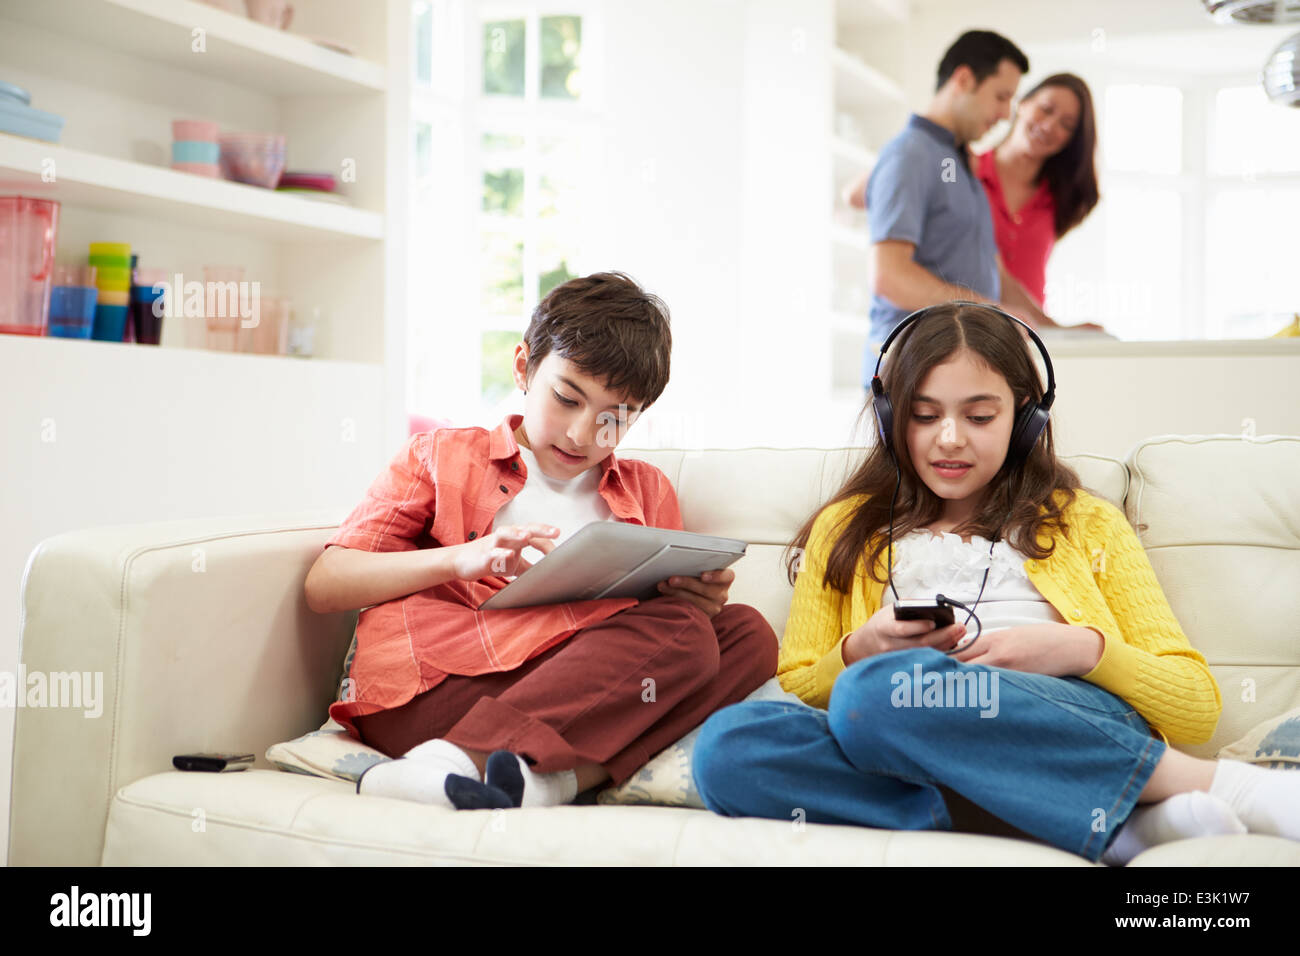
[{"x": 1041, "y": 180}]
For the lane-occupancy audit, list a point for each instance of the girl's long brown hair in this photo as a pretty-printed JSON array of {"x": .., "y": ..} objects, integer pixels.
[
  {"x": 1018, "y": 502},
  {"x": 1071, "y": 173}
]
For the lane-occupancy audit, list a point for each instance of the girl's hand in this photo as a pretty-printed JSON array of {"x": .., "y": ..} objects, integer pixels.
[
  {"x": 708, "y": 592},
  {"x": 1058, "y": 650},
  {"x": 882, "y": 633},
  {"x": 498, "y": 553}
]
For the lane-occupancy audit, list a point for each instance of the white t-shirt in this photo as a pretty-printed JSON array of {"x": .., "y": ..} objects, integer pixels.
[
  {"x": 568, "y": 504},
  {"x": 925, "y": 566}
]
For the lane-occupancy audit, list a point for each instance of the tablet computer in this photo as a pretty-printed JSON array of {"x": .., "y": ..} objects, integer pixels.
[{"x": 607, "y": 559}]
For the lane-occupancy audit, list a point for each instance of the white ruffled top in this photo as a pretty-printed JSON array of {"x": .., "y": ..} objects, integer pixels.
[{"x": 925, "y": 565}]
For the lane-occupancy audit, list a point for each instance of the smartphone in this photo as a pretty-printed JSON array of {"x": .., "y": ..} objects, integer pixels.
[
  {"x": 213, "y": 763},
  {"x": 924, "y": 609}
]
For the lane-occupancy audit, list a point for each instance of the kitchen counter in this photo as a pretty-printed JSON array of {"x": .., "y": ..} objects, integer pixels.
[{"x": 1086, "y": 345}]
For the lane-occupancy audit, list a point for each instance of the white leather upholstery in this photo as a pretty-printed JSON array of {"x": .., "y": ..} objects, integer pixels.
[{"x": 205, "y": 642}]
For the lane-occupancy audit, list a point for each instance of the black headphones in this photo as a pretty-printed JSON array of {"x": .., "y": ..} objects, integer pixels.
[{"x": 1031, "y": 418}]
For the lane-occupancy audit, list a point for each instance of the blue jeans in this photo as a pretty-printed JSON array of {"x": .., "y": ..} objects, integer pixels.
[{"x": 1057, "y": 757}]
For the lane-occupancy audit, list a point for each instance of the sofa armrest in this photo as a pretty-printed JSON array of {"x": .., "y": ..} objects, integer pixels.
[{"x": 187, "y": 636}]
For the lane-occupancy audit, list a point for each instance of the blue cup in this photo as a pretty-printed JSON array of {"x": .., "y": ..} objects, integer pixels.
[
  {"x": 72, "y": 311},
  {"x": 110, "y": 323}
]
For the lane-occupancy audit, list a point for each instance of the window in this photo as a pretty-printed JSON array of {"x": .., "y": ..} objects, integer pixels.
[
  {"x": 1253, "y": 198},
  {"x": 536, "y": 152},
  {"x": 1143, "y": 131},
  {"x": 1130, "y": 277},
  {"x": 505, "y": 160},
  {"x": 1193, "y": 237},
  {"x": 1250, "y": 135}
]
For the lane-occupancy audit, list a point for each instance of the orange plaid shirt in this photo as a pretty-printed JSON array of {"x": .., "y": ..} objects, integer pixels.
[{"x": 444, "y": 488}]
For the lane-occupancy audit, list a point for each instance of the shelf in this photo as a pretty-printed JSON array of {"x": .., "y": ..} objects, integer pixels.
[
  {"x": 859, "y": 86},
  {"x": 213, "y": 360},
  {"x": 102, "y": 182},
  {"x": 848, "y": 162},
  {"x": 852, "y": 152},
  {"x": 855, "y": 14},
  {"x": 850, "y": 323},
  {"x": 849, "y": 237},
  {"x": 237, "y": 49}
]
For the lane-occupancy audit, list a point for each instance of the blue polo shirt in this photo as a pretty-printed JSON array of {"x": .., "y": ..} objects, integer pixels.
[{"x": 921, "y": 191}]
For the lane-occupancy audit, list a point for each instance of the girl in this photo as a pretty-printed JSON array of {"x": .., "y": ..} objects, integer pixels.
[{"x": 1058, "y": 717}]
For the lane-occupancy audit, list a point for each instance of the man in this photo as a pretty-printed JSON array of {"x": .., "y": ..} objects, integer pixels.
[{"x": 931, "y": 227}]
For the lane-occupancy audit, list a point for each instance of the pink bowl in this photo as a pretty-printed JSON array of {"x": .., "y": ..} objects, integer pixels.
[
  {"x": 254, "y": 158},
  {"x": 194, "y": 129}
]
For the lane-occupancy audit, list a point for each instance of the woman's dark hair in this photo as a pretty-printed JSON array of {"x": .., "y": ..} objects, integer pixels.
[
  {"x": 610, "y": 328},
  {"x": 1071, "y": 173},
  {"x": 983, "y": 51},
  {"x": 1021, "y": 498}
]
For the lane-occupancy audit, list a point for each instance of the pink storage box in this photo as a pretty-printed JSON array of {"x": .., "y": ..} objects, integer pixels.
[{"x": 195, "y": 130}]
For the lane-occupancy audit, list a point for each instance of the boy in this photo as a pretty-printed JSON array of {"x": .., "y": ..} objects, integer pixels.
[{"x": 546, "y": 701}]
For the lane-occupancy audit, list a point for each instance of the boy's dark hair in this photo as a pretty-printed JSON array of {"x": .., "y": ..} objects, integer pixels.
[
  {"x": 1023, "y": 502},
  {"x": 982, "y": 51},
  {"x": 610, "y": 328}
]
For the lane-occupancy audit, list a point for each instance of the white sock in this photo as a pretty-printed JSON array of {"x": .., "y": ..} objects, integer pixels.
[
  {"x": 1267, "y": 800},
  {"x": 547, "y": 789},
  {"x": 1181, "y": 817},
  {"x": 420, "y": 774}
]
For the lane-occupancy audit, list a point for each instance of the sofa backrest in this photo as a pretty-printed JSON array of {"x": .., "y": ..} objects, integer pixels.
[
  {"x": 205, "y": 642},
  {"x": 764, "y": 495},
  {"x": 1219, "y": 517}
]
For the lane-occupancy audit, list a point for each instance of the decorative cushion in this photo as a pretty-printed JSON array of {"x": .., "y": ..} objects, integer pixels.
[
  {"x": 329, "y": 752},
  {"x": 667, "y": 780},
  {"x": 1274, "y": 743}
]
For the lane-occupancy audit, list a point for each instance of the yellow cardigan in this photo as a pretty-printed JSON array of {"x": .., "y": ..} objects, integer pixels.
[{"x": 1098, "y": 576}]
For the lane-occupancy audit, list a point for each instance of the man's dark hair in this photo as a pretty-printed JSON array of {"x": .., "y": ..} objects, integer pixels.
[
  {"x": 982, "y": 51},
  {"x": 610, "y": 328}
]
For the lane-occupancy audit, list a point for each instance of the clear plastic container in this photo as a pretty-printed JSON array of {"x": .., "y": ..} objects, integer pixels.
[{"x": 28, "y": 233}]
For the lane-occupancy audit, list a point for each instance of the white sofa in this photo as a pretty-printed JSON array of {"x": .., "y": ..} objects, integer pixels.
[{"x": 205, "y": 643}]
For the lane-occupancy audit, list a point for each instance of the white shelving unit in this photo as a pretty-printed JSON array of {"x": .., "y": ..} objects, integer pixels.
[
  {"x": 97, "y": 433},
  {"x": 119, "y": 71},
  {"x": 868, "y": 107}
]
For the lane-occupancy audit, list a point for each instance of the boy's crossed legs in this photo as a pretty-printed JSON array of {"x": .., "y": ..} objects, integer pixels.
[{"x": 599, "y": 705}]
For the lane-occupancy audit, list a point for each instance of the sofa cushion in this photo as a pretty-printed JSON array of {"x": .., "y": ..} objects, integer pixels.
[
  {"x": 1217, "y": 516},
  {"x": 265, "y": 817}
]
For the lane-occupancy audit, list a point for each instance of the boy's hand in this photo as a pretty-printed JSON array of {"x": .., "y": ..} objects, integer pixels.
[
  {"x": 708, "y": 592},
  {"x": 498, "y": 553}
]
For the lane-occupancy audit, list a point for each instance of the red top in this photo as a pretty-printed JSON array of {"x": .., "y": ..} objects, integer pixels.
[
  {"x": 1026, "y": 238},
  {"x": 444, "y": 488}
]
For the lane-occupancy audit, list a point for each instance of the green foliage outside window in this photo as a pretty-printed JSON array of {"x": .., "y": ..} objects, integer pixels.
[
  {"x": 498, "y": 356},
  {"x": 503, "y": 57},
  {"x": 503, "y": 191},
  {"x": 561, "y": 43}
]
